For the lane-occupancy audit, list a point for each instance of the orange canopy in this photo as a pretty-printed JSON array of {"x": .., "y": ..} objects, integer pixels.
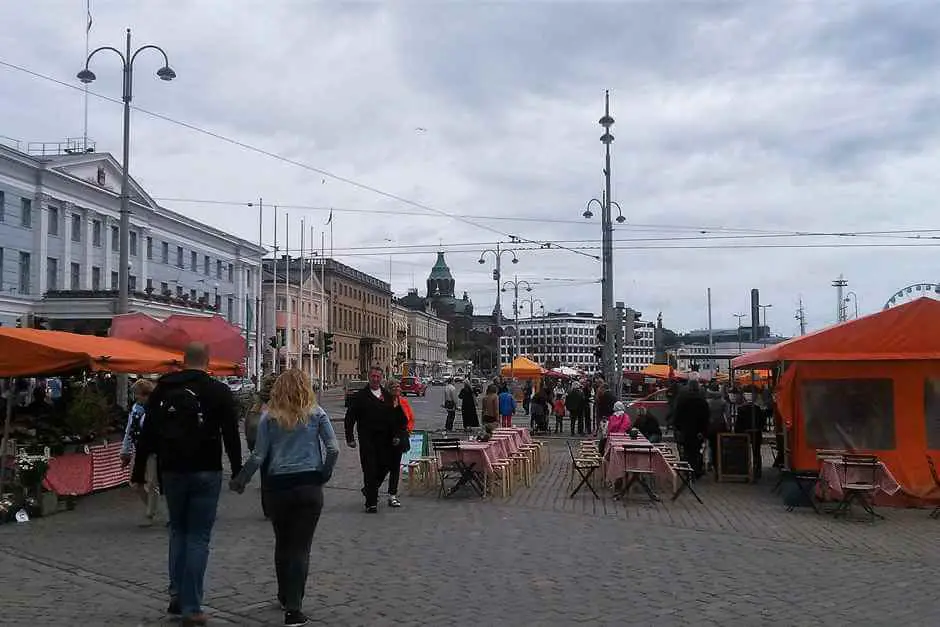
[
  {"x": 871, "y": 385},
  {"x": 33, "y": 352},
  {"x": 523, "y": 368},
  {"x": 909, "y": 331},
  {"x": 660, "y": 371}
]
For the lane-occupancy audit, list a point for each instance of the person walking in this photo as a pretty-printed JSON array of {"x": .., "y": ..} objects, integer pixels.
[
  {"x": 252, "y": 420},
  {"x": 403, "y": 417},
  {"x": 490, "y": 408},
  {"x": 142, "y": 390},
  {"x": 574, "y": 402},
  {"x": 370, "y": 417},
  {"x": 190, "y": 416},
  {"x": 604, "y": 403},
  {"x": 297, "y": 442},
  {"x": 450, "y": 404},
  {"x": 507, "y": 406},
  {"x": 691, "y": 425},
  {"x": 468, "y": 407}
]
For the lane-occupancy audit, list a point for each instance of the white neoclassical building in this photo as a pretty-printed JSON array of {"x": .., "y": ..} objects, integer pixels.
[{"x": 59, "y": 252}]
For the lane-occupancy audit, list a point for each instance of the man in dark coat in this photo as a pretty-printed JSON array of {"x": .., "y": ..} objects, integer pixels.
[
  {"x": 370, "y": 416},
  {"x": 752, "y": 420},
  {"x": 603, "y": 404},
  {"x": 691, "y": 424},
  {"x": 574, "y": 401}
]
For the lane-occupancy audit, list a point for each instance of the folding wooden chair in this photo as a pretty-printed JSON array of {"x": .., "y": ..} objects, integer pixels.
[
  {"x": 585, "y": 467},
  {"x": 859, "y": 482}
]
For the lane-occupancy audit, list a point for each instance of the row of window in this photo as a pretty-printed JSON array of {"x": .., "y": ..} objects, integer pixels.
[
  {"x": 348, "y": 291},
  {"x": 74, "y": 282},
  {"x": 26, "y": 220},
  {"x": 359, "y": 322}
]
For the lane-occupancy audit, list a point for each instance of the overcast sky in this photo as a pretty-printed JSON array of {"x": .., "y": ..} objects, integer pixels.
[{"x": 735, "y": 121}]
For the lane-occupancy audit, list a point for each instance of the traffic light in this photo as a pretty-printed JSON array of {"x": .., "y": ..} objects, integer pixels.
[
  {"x": 19, "y": 322},
  {"x": 327, "y": 343}
]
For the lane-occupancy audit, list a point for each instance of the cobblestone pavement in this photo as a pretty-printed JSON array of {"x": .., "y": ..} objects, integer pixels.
[{"x": 538, "y": 557}]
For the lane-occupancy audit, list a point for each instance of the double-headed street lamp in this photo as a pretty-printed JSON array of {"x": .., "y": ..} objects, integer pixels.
[
  {"x": 757, "y": 335},
  {"x": 86, "y": 76},
  {"x": 515, "y": 284},
  {"x": 607, "y": 252},
  {"x": 532, "y": 302},
  {"x": 497, "y": 274}
]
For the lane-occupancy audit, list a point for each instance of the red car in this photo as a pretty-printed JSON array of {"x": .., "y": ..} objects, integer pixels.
[{"x": 413, "y": 385}]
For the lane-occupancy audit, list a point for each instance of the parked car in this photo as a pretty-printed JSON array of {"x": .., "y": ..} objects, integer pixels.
[
  {"x": 414, "y": 386},
  {"x": 352, "y": 387},
  {"x": 437, "y": 381}
]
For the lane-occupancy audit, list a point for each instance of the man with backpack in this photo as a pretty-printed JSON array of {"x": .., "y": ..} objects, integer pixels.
[{"x": 190, "y": 416}]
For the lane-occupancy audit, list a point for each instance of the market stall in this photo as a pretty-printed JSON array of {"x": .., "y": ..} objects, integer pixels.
[
  {"x": 868, "y": 385},
  {"x": 38, "y": 353}
]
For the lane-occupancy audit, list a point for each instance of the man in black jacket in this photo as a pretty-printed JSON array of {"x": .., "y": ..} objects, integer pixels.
[
  {"x": 574, "y": 402},
  {"x": 370, "y": 416},
  {"x": 189, "y": 417}
]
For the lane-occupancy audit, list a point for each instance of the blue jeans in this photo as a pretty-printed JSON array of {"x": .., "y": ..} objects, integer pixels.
[{"x": 192, "y": 499}]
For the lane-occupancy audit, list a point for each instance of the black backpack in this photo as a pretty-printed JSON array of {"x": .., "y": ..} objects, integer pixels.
[{"x": 183, "y": 425}]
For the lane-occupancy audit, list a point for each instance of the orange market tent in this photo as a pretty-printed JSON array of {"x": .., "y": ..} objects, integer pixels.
[
  {"x": 523, "y": 368},
  {"x": 660, "y": 371},
  {"x": 33, "y": 352},
  {"x": 870, "y": 384}
]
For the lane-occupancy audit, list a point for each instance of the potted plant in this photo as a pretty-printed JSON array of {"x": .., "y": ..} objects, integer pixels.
[{"x": 88, "y": 414}]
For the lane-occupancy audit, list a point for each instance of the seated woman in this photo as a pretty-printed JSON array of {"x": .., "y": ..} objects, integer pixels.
[{"x": 619, "y": 421}]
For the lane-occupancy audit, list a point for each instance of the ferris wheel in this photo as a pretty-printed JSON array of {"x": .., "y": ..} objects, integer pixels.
[{"x": 913, "y": 292}]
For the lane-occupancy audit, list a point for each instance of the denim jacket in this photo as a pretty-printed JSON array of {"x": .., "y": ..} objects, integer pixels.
[
  {"x": 139, "y": 414},
  {"x": 295, "y": 451}
]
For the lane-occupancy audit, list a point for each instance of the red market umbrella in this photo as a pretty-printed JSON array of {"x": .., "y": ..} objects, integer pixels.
[{"x": 224, "y": 340}]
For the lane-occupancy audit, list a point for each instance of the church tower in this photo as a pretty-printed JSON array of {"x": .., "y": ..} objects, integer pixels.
[{"x": 440, "y": 281}]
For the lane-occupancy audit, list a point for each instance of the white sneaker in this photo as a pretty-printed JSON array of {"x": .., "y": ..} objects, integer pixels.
[{"x": 393, "y": 501}]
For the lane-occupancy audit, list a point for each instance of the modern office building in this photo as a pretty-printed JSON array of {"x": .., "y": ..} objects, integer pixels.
[
  {"x": 570, "y": 340},
  {"x": 59, "y": 248}
]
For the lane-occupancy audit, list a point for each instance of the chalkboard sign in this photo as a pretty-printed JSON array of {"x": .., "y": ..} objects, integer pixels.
[
  {"x": 734, "y": 457},
  {"x": 419, "y": 448}
]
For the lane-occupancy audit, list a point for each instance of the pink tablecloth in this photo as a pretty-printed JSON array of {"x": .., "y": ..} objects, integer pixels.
[
  {"x": 480, "y": 455},
  {"x": 619, "y": 462},
  {"x": 521, "y": 434},
  {"x": 832, "y": 474}
]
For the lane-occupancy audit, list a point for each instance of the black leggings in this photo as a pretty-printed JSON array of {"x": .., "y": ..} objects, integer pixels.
[{"x": 295, "y": 513}]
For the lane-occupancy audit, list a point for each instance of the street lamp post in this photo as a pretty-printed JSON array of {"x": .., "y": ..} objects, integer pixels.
[
  {"x": 764, "y": 309},
  {"x": 607, "y": 232},
  {"x": 497, "y": 273},
  {"x": 853, "y": 297},
  {"x": 86, "y": 76},
  {"x": 514, "y": 284},
  {"x": 739, "y": 317}
]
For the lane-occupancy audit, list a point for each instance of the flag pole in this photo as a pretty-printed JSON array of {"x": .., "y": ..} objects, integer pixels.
[
  {"x": 323, "y": 319},
  {"x": 290, "y": 310},
  {"x": 87, "y": 48},
  {"x": 277, "y": 348},
  {"x": 300, "y": 299}
]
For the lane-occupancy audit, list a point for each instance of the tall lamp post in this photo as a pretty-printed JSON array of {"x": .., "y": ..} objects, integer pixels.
[
  {"x": 739, "y": 317},
  {"x": 497, "y": 273},
  {"x": 86, "y": 76},
  {"x": 852, "y": 297},
  {"x": 607, "y": 232},
  {"x": 763, "y": 310},
  {"x": 515, "y": 284}
]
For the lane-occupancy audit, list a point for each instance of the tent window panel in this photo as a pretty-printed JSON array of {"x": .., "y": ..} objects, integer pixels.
[
  {"x": 932, "y": 412},
  {"x": 849, "y": 414}
]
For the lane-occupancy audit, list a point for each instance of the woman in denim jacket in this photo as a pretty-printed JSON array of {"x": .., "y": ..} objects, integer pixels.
[{"x": 292, "y": 436}]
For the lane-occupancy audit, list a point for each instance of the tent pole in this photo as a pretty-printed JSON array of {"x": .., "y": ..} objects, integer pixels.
[{"x": 4, "y": 443}]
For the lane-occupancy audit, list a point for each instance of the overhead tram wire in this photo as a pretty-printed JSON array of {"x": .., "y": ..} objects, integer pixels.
[{"x": 294, "y": 162}]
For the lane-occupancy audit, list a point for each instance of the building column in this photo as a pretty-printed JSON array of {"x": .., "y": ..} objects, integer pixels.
[
  {"x": 89, "y": 256},
  {"x": 142, "y": 234},
  {"x": 108, "y": 261},
  {"x": 65, "y": 266},
  {"x": 41, "y": 241}
]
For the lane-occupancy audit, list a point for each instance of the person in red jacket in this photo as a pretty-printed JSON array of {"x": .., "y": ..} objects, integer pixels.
[{"x": 404, "y": 415}]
